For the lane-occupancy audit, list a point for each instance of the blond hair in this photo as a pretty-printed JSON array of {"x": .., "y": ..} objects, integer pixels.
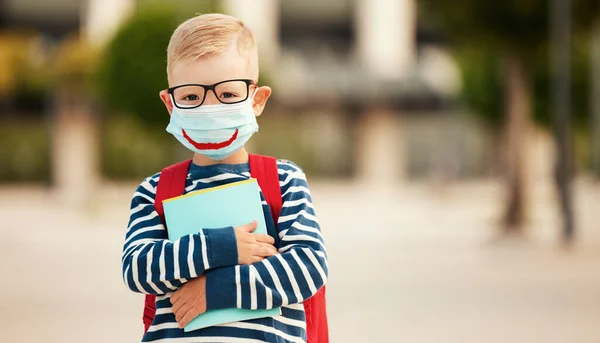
[{"x": 209, "y": 35}]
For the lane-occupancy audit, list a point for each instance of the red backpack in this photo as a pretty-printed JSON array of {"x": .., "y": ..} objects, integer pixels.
[{"x": 263, "y": 168}]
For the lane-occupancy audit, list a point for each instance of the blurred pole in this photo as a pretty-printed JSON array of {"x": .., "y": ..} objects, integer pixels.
[
  {"x": 101, "y": 18},
  {"x": 380, "y": 152},
  {"x": 75, "y": 144},
  {"x": 595, "y": 97},
  {"x": 262, "y": 16},
  {"x": 75, "y": 155},
  {"x": 518, "y": 106},
  {"x": 560, "y": 31},
  {"x": 386, "y": 36},
  {"x": 385, "y": 32}
]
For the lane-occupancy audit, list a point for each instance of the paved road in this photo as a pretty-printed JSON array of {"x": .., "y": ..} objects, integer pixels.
[{"x": 408, "y": 264}]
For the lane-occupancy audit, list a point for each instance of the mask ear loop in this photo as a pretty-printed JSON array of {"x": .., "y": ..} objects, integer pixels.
[{"x": 253, "y": 95}]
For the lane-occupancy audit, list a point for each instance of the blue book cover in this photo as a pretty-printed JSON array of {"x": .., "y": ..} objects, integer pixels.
[{"x": 233, "y": 204}]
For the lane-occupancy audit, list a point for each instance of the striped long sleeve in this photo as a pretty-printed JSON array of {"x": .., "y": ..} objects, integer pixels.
[
  {"x": 154, "y": 265},
  {"x": 291, "y": 277}
]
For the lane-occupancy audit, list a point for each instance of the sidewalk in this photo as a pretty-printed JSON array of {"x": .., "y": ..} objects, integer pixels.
[{"x": 407, "y": 265}]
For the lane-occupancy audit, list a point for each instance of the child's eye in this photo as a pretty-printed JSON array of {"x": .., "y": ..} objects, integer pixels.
[
  {"x": 228, "y": 95},
  {"x": 191, "y": 97}
]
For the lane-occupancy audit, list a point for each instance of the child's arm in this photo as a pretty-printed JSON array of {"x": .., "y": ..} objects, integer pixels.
[
  {"x": 154, "y": 265},
  {"x": 294, "y": 275}
]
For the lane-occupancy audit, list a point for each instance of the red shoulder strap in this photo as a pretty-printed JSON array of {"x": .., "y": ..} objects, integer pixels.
[
  {"x": 170, "y": 184},
  {"x": 264, "y": 170}
]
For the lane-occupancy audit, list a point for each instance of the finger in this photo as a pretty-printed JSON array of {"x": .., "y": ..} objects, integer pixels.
[
  {"x": 265, "y": 250},
  {"x": 264, "y": 239},
  {"x": 182, "y": 311},
  {"x": 250, "y": 227},
  {"x": 256, "y": 259},
  {"x": 178, "y": 305},
  {"x": 175, "y": 297},
  {"x": 261, "y": 251},
  {"x": 269, "y": 246},
  {"x": 188, "y": 317}
]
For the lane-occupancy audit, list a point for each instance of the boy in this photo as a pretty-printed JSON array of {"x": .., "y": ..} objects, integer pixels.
[{"x": 213, "y": 101}]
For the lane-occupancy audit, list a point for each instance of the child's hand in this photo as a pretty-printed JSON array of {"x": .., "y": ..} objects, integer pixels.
[
  {"x": 189, "y": 301},
  {"x": 251, "y": 247}
]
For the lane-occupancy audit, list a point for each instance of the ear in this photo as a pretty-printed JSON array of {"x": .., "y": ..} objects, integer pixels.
[
  {"x": 166, "y": 99},
  {"x": 260, "y": 99}
]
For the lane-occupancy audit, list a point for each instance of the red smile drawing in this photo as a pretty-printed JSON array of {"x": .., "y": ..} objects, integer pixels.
[{"x": 210, "y": 146}]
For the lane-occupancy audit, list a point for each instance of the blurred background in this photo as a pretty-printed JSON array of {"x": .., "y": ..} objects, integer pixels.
[{"x": 453, "y": 150}]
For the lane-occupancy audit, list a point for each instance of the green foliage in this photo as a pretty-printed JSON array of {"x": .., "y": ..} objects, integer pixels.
[
  {"x": 483, "y": 88},
  {"x": 482, "y": 84},
  {"x": 511, "y": 24},
  {"x": 24, "y": 151},
  {"x": 133, "y": 151},
  {"x": 282, "y": 136},
  {"x": 72, "y": 67},
  {"x": 133, "y": 68},
  {"x": 580, "y": 94},
  {"x": 23, "y": 77},
  {"x": 485, "y": 31}
]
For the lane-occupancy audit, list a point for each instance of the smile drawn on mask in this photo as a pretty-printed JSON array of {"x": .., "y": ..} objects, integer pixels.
[{"x": 210, "y": 146}]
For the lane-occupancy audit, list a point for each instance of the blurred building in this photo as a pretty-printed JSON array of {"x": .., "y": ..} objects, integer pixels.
[
  {"x": 362, "y": 74},
  {"x": 58, "y": 18},
  {"x": 54, "y": 18},
  {"x": 41, "y": 26},
  {"x": 364, "y": 63}
]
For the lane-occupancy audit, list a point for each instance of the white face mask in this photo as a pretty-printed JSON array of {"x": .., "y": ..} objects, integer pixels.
[{"x": 216, "y": 131}]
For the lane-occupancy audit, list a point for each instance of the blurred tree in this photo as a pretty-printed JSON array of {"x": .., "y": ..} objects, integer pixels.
[
  {"x": 24, "y": 137},
  {"x": 73, "y": 64},
  {"x": 133, "y": 68},
  {"x": 24, "y": 151},
  {"x": 23, "y": 78},
  {"x": 595, "y": 92},
  {"x": 508, "y": 38},
  {"x": 481, "y": 83}
]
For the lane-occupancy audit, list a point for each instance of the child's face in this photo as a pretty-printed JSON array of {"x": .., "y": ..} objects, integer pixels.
[{"x": 210, "y": 70}]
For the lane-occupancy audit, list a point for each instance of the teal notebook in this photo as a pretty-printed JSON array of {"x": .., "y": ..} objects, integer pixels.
[{"x": 233, "y": 204}]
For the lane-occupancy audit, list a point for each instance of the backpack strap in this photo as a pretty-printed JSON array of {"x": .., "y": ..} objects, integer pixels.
[
  {"x": 170, "y": 184},
  {"x": 264, "y": 170}
]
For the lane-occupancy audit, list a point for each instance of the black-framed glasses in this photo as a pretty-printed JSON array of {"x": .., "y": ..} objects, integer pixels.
[{"x": 227, "y": 92}]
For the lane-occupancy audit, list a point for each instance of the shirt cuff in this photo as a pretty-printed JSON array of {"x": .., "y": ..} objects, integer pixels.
[
  {"x": 220, "y": 288},
  {"x": 221, "y": 247}
]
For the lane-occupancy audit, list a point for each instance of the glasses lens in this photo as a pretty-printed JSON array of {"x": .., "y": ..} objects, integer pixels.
[
  {"x": 188, "y": 96},
  {"x": 232, "y": 91}
]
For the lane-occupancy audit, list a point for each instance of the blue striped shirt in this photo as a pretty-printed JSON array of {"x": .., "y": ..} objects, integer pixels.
[{"x": 152, "y": 264}]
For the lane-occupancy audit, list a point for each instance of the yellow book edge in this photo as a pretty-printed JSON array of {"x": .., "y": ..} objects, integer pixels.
[{"x": 233, "y": 184}]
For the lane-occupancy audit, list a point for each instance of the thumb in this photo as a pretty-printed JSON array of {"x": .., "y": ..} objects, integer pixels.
[{"x": 250, "y": 227}]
